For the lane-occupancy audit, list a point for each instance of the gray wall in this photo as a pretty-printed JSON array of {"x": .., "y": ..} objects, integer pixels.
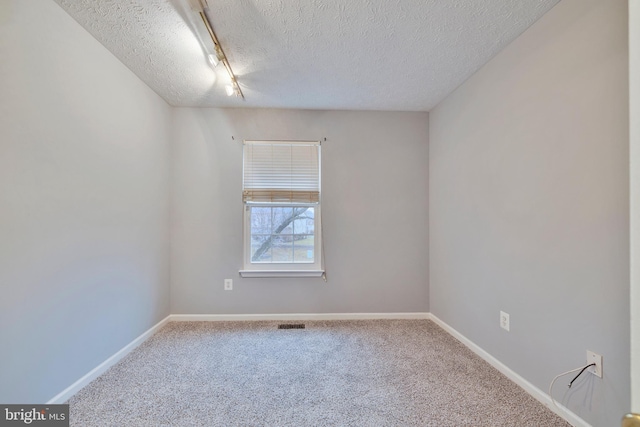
[
  {"x": 84, "y": 211},
  {"x": 374, "y": 183},
  {"x": 529, "y": 204}
]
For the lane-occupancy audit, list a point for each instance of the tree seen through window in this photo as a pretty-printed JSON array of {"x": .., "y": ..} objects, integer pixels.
[{"x": 282, "y": 234}]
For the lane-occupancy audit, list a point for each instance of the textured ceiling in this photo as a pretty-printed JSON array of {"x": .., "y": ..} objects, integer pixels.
[{"x": 317, "y": 54}]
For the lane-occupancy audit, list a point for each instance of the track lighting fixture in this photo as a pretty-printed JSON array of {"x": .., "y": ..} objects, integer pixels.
[{"x": 219, "y": 56}]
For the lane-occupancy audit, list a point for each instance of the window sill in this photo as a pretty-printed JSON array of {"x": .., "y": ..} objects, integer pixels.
[{"x": 281, "y": 273}]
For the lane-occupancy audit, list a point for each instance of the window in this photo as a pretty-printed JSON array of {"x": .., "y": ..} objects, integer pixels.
[{"x": 281, "y": 194}]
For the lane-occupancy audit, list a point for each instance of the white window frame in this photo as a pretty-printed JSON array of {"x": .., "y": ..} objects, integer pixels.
[{"x": 283, "y": 269}]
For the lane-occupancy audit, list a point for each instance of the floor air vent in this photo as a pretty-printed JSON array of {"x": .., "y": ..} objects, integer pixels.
[{"x": 292, "y": 326}]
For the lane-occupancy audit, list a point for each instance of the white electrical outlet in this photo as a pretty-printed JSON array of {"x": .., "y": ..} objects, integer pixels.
[
  {"x": 228, "y": 284},
  {"x": 504, "y": 320},
  {"x": 597, "y": 359}
]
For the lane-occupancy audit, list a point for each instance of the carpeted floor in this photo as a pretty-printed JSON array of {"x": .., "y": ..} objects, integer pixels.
[{"x": 338, "y": 373}]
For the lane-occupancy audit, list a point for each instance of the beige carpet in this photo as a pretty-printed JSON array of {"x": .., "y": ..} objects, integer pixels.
[{"x": 339, "y": 373}]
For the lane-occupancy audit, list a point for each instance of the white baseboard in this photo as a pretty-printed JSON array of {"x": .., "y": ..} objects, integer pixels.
[
  {"x": 65, "y": 394},
  {"x": 534, "y": 391},
  {"x": 294, "y": 316}
]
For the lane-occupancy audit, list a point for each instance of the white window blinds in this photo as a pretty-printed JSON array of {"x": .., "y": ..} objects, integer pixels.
[{"x": 281, "y": 172}]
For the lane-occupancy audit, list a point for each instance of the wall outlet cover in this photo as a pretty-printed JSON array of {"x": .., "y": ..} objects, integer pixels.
[
  {"x": 228, "y": 284},
  {"x": 504, "y": 321},
  {"x": 597, "y": 359}
]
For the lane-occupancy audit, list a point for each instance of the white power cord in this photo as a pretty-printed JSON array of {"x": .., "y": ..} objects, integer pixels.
[{"x": 560, "y": 375}]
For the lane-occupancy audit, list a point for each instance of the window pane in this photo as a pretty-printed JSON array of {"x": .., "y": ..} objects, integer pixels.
[
  {"x": 260, "y": 248},
  {"x": 282, "y": 234},
  {"x": 305, "y": 222},
  {"x": 282, "y": 248},
  {"x": 303, "y": 246},
  {"x": 260, "y": 220},
  {"x": 281, "y": 220}
]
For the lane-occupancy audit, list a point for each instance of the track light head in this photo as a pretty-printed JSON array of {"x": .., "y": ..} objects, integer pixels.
[{"x": 213, "y": 60}]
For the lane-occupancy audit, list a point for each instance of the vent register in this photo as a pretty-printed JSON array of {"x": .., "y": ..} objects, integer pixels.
[{"x": 291, "y": 326}]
